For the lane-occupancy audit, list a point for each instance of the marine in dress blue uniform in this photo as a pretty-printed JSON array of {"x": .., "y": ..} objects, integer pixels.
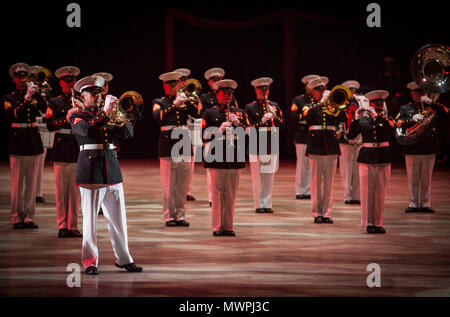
[
  {"x": 64, "y": 154},
  {"x": 420, "y": 157},
  {"x": 322, "y": 149},
  {"x": 374, "y": 158},
  {"x": 171, "y": 113},
  {"x": 98, "y": 174},
  {"x": 225, "y": 168},
  {"x": 265, "y": 117},
  {"x": 25, "y": 145},
  {"x": 302, "y": 170}
]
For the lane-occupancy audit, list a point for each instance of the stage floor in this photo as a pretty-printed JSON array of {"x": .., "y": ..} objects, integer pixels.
[{"x": 280, "y": 254}]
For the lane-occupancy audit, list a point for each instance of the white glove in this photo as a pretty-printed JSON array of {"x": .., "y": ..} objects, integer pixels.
[
  {"x": 417, "y": 117},
  {"x": 426, "y": 100},
  {"x": 180, "y": 99},
  {"x": 110, "y": 103},
  {"x": 268, "y": 116},
  {"x": 234, "y": 119},
  {"x": 271, "y": 109},
  {"x": 31, "y": 90},
  {"x": 225, "y": 125}
]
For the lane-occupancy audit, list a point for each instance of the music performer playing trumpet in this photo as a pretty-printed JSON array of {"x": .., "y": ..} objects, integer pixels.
[
  {"x": 98, "y": 173},
  {"x": 65, "y": 154},
  {"x": 374, "y": 157},
  {"x": 25, "y": 145},
  {"x": 171, "y": 113},
  {"x": 322, "y": 148},
  {"x": 266, "y": 117}
]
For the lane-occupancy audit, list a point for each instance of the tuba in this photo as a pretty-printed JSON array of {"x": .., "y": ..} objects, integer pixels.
[
  {"x": 130, "y": 107},
  {"x": 430, "y": 68}
]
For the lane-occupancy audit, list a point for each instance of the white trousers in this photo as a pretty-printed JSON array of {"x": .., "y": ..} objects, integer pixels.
[
  {"x": 262, "y": 183},
  {"x": 374, "y": 180},
  {"x": 112, "y": 200},
  {"x": 40, "y": 173},
  {"x": 23, "y": 187},
  {"x": 323, "y": 170},
  {"x": 302, "y": 171},
  {"x": 67, "y": 195},
  {"x": 419, "y": 169},
  {"x": 349, "y": 169},
  {"x": 174, "y": 180},
  {"x": 225, "y": 183},
  {"x": 208, "y": 184}
]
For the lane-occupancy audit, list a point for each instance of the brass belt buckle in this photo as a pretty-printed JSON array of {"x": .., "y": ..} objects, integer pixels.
[
  {"x": 29, "y": 125},
  {"x": 324, "y": 127},
  {"x": 375, "y": 144}
]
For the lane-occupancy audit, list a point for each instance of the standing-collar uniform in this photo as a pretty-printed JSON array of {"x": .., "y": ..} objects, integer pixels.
[
  {"x": 98, "y": 166},
  {"x": 323, "y": 141},
  {"x": 374, "y": 132},
  {"x": 430, "y": 144},
  {"x": 214, "y": 117},
  {"x": 65, "y": 146},
  {"x": 301, "y": 127},
  {"x": 24, "y": 140},
  {"x": 255, "y": 112},
  {"x": 168, "y": 116}
]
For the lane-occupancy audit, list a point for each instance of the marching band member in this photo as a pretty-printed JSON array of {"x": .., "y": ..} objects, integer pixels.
[
  {"x": 263, "y": 115},
  {"x": 171, "y": 113},
  {"x": 224, "y": 169},
  {"x": 98, "y": 173},
  {"x": 25, "y": 145},
  {"x": 322, "y": 150},
  {"x": 65, "y": 154},
  {"x": 302, "y": 171},
  {"x": 374, "y": 157},
  {"x": 191, "y": 122},
  {"x": 348, "y": 164},
  {"x": 420, "y": 157}
]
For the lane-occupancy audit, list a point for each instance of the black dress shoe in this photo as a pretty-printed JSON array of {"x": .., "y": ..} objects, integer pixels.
[
  {"x": 268, "y": 210},
  {"x": 210, "y": 204},
  {"x": 182, "y": 223},
  {"x": 327, "y": 220},
  {"x": 217, "y": 233},
  {"x": 302, "y": 196},
  {"x": 171, "y": 223},
  {"x": 190, "y": 198},
  {"x": 318, "y": 219},
  {"x": 356, "y": 202},
  {"x": 63, "y": 233},
  {"x": 74, "y": 233},
  {"x": 411, "y": 209},
  {"x": 131, "y": 267},
  {"x": 30, "y": 225},
  {"x": 259, "y": 210},
  {"x": 100, "y": 212},
  {"x": 40, "y": 199},
  {"x": 228, "y": 233},
  {"x": 380, "y": 230},
  {"x": 427, "y": 210},
  {"x": 371, "y": 229},
  {"x": 348, "y": 202},
  {"x": 92, "y": 270},
  {"x": 18, "y": 225}
]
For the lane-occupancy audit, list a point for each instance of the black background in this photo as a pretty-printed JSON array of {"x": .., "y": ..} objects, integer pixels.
[{"x": 127, "y": 39}]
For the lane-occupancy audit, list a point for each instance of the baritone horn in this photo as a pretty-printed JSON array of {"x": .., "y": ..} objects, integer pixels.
[
  {"x": 337, "y": 100},
  {"x": 192, "y": 89},
  {"x": 130, "y": 106}
]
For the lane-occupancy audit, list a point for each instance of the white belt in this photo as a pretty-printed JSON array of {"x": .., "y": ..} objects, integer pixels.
[
  {"x": 320, "y": 127},
  {"x": 64, "y": 131},
  {"x": 266, "y": 128},
  {"x": 107, "y": 146},
  {"x": 171, "y": 127},
  {"x": 376, "y": 144},
  {"x": 303, "y": 122},
  {"x": 24, "y": 125}
]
